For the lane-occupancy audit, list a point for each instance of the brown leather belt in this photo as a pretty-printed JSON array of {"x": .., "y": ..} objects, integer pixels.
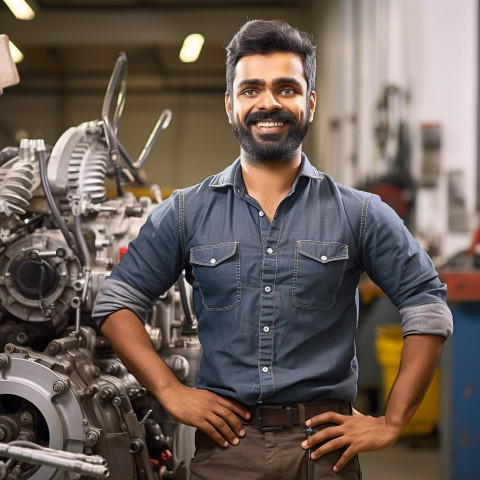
[{"x": 277, "y": 417}]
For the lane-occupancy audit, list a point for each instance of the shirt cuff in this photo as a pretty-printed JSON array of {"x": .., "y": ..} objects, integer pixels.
[
  {"x": 429, "y": 318},
  {"x": 115, "y": 295}
]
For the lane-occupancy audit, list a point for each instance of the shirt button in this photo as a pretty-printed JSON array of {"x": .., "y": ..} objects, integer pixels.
[
  {"x": 265, "y": 369},
  {"x": 324, "y": 258},
  {"x": 261, "y": 213},
  {"x": 268, "y": 289},
  {"x": 213, "y": 260},
  {"x": 266, "y": 329},
  {"x": 269, "y": 250}
]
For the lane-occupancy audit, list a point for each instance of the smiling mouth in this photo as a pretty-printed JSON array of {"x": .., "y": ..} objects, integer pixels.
[{"x": 269, "y": 124}]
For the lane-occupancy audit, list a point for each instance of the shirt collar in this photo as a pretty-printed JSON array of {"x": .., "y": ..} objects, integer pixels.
[{"x": 232, "y": 175}]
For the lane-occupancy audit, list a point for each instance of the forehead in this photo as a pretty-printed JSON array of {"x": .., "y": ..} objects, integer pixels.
[{"x": 269, "y": 67}]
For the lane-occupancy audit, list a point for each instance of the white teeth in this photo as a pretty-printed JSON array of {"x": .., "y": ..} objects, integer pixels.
[{"x": 270, "y": 124}]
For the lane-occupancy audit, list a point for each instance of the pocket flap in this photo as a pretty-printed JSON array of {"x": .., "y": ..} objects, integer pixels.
[
  {"x": 323, "y": 252},
  {"x": 213, "y": 255}
]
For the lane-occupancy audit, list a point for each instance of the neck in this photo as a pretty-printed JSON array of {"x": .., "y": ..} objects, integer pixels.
[
  {"x": 269, "y": 182},
  {"x": 270, "y": 176}
]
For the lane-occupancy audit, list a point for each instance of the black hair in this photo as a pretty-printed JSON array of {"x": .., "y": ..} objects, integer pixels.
[{"x": 267, "y": 36}]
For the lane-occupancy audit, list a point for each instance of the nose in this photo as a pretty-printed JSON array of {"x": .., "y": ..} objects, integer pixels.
[{"x": 268, "y": 101}]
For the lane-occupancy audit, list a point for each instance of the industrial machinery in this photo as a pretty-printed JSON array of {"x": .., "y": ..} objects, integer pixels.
[{"x": 62, "y": 388}]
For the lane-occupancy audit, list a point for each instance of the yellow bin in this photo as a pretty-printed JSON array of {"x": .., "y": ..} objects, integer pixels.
[{"x": 388, "y": 348}]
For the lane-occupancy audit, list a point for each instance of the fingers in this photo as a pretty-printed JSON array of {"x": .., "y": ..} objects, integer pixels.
[
  {"x": 328, "y": 417},
  {"x": 235, "y": 407},
  {"x": 334, "y": 441},
  {"x": 321, "y": 437},
  {"x": 221, "y": 421},
  {"x": 355, "y": 433},
  {"x": 227, "y": 427},
  {"x": 221, "y": 434}
]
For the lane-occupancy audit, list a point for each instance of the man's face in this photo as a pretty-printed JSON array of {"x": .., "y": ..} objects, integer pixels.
[{"x": 268, "y": 109}]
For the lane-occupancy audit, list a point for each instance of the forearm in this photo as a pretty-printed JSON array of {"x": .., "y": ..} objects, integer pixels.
[
  {"x": 419, "y": 360},
  {"x": 216, "y": 416},
  {"x": 129, "y": 339}
]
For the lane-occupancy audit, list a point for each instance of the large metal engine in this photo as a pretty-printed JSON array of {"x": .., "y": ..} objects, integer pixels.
[{"x": 68, "y": 406}]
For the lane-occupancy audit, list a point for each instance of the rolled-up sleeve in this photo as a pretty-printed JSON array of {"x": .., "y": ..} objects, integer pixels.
[{"x": 431, "y": 318}]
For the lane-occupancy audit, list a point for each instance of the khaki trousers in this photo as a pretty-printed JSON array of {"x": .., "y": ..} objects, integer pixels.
[{"x": 274, "y": 455}]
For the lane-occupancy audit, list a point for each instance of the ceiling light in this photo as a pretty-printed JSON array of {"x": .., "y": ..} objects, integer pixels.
[
  {"x": 191, "y": 48},
  {"x": 16, "y": 54},
  {"x": 21, "y": 9}
]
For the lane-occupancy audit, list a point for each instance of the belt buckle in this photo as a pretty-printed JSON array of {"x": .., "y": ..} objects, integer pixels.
[{"x": 273, "y": 428}]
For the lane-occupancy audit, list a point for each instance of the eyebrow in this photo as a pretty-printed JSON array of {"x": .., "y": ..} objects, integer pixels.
[{"x": 276, "y": 81}]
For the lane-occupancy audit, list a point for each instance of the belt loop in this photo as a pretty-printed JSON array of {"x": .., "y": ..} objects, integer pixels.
[{"x": 301, "y": 413}]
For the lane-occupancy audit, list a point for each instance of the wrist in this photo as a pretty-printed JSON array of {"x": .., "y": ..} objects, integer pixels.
[{"x": 394, "y": 426}]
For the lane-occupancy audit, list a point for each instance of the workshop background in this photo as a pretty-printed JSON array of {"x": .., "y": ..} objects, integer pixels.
[{"x": 397, "y": 113}]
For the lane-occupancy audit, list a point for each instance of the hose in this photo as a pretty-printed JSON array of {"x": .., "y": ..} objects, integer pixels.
[
  {"x": 39, "y": 149},
  {"x": 112, "y": 145}
]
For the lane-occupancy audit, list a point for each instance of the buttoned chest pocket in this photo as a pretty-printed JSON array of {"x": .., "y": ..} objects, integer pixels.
[
  {"x": 217, "y": 271},
  {"x": 318, "y": 273}
]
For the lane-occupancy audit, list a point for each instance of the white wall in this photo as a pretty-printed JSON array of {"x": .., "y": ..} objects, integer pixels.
[
  {"x": 427, "y": 49},
  {"x": 446, "y": 92}
]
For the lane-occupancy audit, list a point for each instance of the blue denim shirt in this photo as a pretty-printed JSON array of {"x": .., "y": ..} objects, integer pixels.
[{"x": 277, "y": 303}]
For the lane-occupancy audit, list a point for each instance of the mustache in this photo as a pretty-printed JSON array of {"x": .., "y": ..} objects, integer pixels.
[{"x": 284, "y": 117}]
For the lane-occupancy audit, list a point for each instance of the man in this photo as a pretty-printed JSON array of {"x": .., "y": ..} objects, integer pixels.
[{"x": 274, "y": 251}]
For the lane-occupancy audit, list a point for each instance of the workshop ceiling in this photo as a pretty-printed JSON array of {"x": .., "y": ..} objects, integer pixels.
[{"x": 71, "y": 45}]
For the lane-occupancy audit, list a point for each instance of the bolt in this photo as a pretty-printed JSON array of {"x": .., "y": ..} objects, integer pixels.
[
  {"x": 106, "y": 393},
  {"x": 91, "y": 436},
  {"x": 25, "y": 437},
  {"x": 60, "y": 252},
  {"x": 132, "y": 392},
  {"x": 9, "y": 348},
  {"x": 112, "y": 368},
  {"x": 34, "y": 255},
  {"x": 96, "y": 372},
  {"x": 4, "y": 360},
  {"x": 135, "y": 446},
  {"x": 75, "y": 302},
  {"x": 117, "y": 401},
  {"x": 54, "y": 347},
  {"x": 90, "y": 390},
  {"x": 26, "y": 418},
  {"x": 61, "y": 386},
  {"x": 47, "y": 313},
  {"x": 22, "y": 338}
]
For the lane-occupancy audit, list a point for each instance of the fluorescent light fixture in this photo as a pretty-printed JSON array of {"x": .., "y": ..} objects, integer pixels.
[
  {"x": 16, "y": 54},
  {"x": 21, "y": 9},
  {"x": 191, "y": 48}
]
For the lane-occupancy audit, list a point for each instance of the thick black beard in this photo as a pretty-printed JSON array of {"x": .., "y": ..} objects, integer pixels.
[{"x": 271, "y": 148}]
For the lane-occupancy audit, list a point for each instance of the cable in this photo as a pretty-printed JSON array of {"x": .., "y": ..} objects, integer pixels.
[{"x": 39, "y": 149}]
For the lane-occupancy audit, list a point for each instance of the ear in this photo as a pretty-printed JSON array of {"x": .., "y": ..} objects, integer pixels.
[
  {"x": 228, "y": 107},
  {"x": 312, "y": 103}
]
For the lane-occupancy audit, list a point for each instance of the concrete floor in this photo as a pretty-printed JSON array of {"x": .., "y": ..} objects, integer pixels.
[{"x": 403, "y": 461}]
